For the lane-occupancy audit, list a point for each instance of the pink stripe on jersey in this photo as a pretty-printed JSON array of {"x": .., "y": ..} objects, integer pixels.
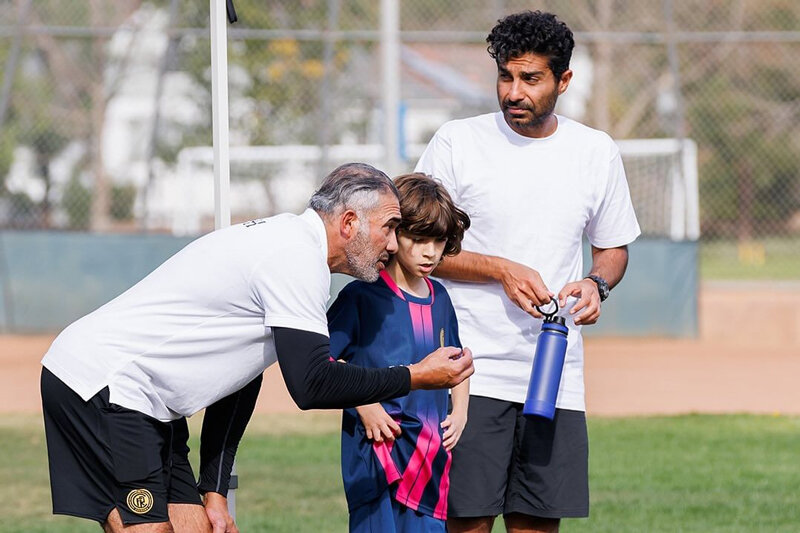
[
  {"x": 421, "y": 318},
  {"x": 383, "y": 450},
  {"x": 418, "y": 472},
  {"x": 417, "y": 323},
  {"x": 391, "y": 284},
  {"x": 427, "y": 323},
  {"x": 444, "y": 488}
]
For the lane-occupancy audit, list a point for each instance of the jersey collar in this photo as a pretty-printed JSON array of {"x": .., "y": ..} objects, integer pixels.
[{"x": 396, "y": 290}]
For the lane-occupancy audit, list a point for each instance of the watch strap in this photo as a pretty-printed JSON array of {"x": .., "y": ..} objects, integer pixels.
[{"x": 602, "y": 286}]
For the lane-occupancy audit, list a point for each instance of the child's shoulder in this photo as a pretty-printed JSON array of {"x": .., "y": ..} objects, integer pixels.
[
  {"x": 357, "y": 289},
  {"x": 439, "y": 289},
  {"x": 437, "y": 285}
]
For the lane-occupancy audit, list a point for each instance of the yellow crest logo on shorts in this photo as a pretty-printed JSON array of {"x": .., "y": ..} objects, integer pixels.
[{"x": 140, "y": 501}]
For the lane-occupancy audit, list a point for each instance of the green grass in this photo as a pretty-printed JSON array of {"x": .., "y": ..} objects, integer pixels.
[
  {"x": 764, "y": 259},
  {"x": 693, "y": 474},
  {"x": 673, "y": 474}
]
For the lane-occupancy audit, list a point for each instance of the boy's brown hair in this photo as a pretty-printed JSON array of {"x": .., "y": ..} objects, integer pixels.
[{"x": 428, "y": 211}]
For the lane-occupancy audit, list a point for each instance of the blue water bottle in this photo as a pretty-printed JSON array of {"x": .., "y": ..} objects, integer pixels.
[{"x": 548, "y": 363}]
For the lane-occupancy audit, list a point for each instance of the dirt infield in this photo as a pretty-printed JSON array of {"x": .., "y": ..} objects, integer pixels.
[{"x": 742, "y": 362}]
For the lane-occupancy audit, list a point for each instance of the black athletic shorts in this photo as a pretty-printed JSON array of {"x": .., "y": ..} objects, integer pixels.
[
  {"x": 104, "y": 456},
  {"x": 507, "y": 463}
]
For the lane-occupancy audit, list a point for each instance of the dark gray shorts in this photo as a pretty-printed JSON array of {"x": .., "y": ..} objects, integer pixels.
[
  {"x": 104, "y": 456},
  {"x": 507, "y": 463}
]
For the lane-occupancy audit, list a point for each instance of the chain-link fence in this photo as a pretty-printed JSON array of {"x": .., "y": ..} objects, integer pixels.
[{"x": 105, "y": 109}]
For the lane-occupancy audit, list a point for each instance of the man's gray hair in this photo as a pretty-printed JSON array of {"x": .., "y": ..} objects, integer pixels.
[{"x": 351, "y": 186}]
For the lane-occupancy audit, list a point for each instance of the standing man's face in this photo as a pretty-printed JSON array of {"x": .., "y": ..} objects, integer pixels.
[
  {"x": 527, "y": 92},
  {"x": 368, "y": 252}
]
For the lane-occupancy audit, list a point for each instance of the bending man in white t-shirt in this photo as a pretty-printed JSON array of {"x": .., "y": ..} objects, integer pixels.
[
  {"x": 198, "y": 332},
  {"x": 534, "y": 183}
]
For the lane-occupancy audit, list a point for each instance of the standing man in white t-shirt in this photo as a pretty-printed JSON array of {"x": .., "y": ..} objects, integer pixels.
[
  {"x": 198, "y": 332},
  {"x": 534, "y": 183}
]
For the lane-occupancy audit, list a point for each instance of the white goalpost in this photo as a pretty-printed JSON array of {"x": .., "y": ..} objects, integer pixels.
[{"x": 220, "y": 140}]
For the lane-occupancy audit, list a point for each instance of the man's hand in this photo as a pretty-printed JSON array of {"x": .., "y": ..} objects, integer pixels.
[
  {"x": 216, "y": 506},
  {"x": 588, "y": 301},
  {"x": 379, "y": 425},
  {"x": 442, "y": 369},
  {"x": 524, "y": 287}
]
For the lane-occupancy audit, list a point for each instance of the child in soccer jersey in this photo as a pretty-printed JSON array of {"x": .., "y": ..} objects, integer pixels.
[{"x": 396, "y": 454}]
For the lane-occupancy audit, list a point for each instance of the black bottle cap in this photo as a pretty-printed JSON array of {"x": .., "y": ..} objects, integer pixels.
[{"x": 552, "y": 319}]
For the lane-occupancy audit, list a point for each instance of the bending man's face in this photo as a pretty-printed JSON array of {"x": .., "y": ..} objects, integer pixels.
[
  {"x": 368, "y": 252},
  {"x": 527, "y": 92}
]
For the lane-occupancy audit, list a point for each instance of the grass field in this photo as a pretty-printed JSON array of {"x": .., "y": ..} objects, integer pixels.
[
  {"x": 765, "y": 259},
  {"x": 698, "y": 473}
]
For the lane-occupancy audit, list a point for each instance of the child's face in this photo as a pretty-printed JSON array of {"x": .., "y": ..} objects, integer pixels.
[{"x": 418, "y": 255}]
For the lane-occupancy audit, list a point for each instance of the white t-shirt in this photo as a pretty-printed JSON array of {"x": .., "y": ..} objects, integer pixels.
[
  {"x": 530, "y": 201},
  {"x": 198, "y": 327}
]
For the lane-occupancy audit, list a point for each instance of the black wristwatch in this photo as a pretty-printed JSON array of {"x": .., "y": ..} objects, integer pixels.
[{"x": 602, "y": 286}]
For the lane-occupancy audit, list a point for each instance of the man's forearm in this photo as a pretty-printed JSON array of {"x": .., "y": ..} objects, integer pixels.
[
  {"x": 223, "y": 426},
  {"x": 315, "y": 381},
  {"x": 471, "y": 266},
  {"x": 609, "y": 263}
]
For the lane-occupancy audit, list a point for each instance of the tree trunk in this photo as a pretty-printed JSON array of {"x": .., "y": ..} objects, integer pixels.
[
  {"x": 44, "y": 171},
  {"x": 101, "y": 193},
  {"x": 746, "y": 193},
  {"x": 602, "y": 70}
]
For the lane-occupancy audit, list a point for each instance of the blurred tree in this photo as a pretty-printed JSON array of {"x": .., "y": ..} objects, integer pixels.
[
  {"x": 740, "y": 99},
  {"x": 279, "y": 81},
  {"x": 79, "y": 70},
  {"x": 77, "y": 203}
]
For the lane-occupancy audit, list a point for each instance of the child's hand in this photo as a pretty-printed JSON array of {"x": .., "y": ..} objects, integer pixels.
[
  {"x": 379, "y": 425},
  {"x": 453, "y": 427}
]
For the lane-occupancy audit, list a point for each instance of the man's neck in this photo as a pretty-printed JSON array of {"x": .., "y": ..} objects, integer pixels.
[{"x": 337, "y": 259}]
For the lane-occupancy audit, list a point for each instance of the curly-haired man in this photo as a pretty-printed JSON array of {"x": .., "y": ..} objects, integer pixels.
[{"x": 533, "y": 183}]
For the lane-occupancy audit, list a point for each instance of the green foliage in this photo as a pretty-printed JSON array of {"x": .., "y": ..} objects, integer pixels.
[
  {"x": 748, "y": 160},
  {"x": 46, "y": 141},
  {"x": 122, "y": 199},
  {"x": 7, "y": 144},
  {"x": 24, "y": 212},
  {"x": 281, "y": 79},
  {"x": 77, "y": 202}
]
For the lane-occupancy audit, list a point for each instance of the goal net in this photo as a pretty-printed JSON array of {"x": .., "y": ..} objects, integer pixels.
[{"x": 662, "y": 176}]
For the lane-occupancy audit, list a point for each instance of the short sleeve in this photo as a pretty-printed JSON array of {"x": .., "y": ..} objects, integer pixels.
[
  {"x": 437, "y": 161},
  {"x": 449, "y": 313},
  {"x": 455, "y": 339},
  {"x": 614, "y": 222},
  {"x": 292, "y": 287},
  {"x": 343, "y": 324}
]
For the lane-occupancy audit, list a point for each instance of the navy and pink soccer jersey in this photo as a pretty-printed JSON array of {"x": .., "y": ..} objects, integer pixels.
[{"x": 379, "y": 325}]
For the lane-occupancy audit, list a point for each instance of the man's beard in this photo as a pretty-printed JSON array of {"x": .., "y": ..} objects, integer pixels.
[
  {"x": 363, "y": 265},
  {"x": 537, "y": 117}
]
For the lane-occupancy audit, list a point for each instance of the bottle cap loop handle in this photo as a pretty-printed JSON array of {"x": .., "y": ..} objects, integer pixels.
[{"x": 549, "y": 316}]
